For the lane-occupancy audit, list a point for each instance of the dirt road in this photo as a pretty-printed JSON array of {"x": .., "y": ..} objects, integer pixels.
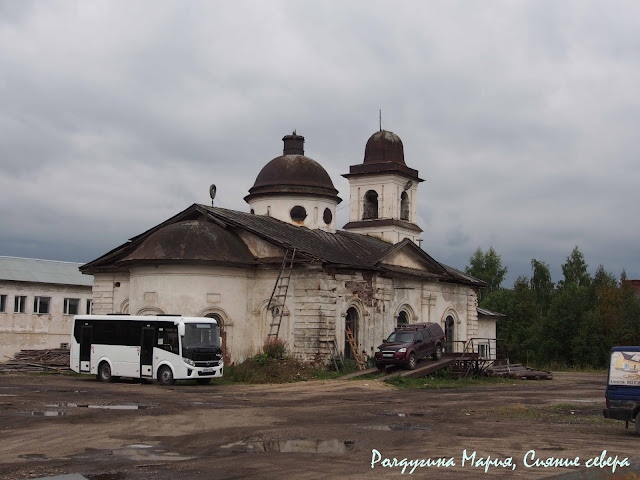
[{"x": 53, "y": 425}]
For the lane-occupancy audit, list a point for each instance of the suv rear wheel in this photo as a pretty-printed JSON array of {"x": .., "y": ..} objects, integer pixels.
[
  {"x": 413, "y": 361},
  {"x": 638, "y": 423},
  {"x": 437, "y": 355}
]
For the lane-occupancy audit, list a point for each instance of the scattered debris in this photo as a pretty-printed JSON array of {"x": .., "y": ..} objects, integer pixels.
[
  {"x": 54, "y": 360},
  {"x": 517, "y": 370}
]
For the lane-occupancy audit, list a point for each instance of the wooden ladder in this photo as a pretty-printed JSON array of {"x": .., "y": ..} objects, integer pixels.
[
  {"x": 332, "y": 345},
  {"x": 279, "y": 294},
  {"x": 354, "y": 348}
]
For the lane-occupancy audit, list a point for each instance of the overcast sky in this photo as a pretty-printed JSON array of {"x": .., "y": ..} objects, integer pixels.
[{"x": 522, "y": 117}]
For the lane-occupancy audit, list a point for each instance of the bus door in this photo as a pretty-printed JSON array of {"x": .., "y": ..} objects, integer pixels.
[
  {"x": 146, "y": 352},
  {"x": 86, "y": 334}
]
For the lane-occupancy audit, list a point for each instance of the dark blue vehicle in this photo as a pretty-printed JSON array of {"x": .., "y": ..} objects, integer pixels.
[{"x": 623, "y": 386}]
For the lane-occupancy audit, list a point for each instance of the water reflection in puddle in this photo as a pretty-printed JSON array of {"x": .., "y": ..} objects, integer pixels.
[
  {"x": 105, "y": 407},
  {"x": 334, "y": 446},
  {"x": 396, "y": 428},
  {"x": 389, "y": 414}
]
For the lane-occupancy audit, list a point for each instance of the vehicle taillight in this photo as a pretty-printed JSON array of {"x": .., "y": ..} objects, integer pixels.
[{"x": 607, "y": 402}]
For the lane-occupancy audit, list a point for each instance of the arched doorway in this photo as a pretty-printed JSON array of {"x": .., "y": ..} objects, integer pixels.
[
  {"x": 370, "y": 210},
  {"x": 226, "y": 356},
  {"x": 449, "y": 332},
  {"x": 350, "y": 322},
  {"x": 402, "y": 319}
]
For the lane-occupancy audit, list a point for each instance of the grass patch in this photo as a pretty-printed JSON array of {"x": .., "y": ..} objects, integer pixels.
[
  {"x": 265, "y": 369},
  {"x": 444, "y": 380}
]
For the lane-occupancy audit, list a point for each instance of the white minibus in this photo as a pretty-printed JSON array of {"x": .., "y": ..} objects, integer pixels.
[{"x": 166, "y": 348}]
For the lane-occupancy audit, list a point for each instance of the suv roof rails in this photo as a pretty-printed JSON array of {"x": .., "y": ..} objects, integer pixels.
[{"x": 413, "y": 326}]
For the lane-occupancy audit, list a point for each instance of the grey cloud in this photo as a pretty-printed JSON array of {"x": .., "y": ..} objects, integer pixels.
[{"x": 522, "y": 117}]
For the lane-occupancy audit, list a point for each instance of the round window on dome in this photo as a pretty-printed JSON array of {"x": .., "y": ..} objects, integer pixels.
[
  {"x": 298, "y": 213},
  {"x": 327, "y": 216}
]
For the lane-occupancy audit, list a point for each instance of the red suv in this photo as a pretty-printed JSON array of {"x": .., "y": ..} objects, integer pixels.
[{"x": 410, "y": 343}]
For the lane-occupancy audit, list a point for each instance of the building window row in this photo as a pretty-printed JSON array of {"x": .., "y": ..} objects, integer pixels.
[{"x": 42, "y": 305}]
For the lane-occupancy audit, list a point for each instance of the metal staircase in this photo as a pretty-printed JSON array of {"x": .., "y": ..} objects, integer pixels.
[{"x": 279, "y": 294}]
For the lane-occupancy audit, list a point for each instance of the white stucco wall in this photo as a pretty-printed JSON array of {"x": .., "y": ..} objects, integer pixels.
[
  {"x": 389, "y": 189},
  {"x": 29, "y": 330},
  {"x": 316, "y": 306},
  {"x": 487, "y": 329},
  {"x": 280, "y": 207}
]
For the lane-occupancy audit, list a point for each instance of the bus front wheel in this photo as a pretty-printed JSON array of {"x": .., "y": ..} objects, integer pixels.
[
  {"x": 165, "y": 376},
  {"x": 104, "y": 372}
]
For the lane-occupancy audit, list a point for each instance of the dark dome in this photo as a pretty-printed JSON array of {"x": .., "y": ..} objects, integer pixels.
[
  {"x": 382, "y": 147},
  {"x": 195, "y": 240},
  {"x": 293, "y": 173}
]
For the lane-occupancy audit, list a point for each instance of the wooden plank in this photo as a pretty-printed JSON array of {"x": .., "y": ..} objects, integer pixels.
[{"x": 428, "y": 368}]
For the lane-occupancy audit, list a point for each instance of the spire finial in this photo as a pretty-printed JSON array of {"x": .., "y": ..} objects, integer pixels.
[{"x": 380, "y": 118}]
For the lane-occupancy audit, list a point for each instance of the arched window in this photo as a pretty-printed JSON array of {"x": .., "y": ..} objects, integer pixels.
[
  {"x": 404, "y": 206},
  {"x": 370, "y": 210},
  {"x": 402, "y": 319}
]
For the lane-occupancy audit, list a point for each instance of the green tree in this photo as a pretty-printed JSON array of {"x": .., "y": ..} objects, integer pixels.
[
  {"x": 487, "y": 266},
  {"x": 575, "y": 270},
  {"x": 514, "y": 331},
  {"x": 629, "y": 331},
  {"x": 541, "y": 284}
]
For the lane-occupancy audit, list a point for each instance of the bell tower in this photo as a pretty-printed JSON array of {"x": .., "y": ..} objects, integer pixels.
[{"x": 383, "y": 191}]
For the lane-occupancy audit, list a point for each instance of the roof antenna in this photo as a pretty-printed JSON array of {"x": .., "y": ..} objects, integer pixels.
[
  {"x": 212, "y": 192},
  {"x": 380, "y": 118}
]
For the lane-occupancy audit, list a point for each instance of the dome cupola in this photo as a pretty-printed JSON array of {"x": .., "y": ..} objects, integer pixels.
[
  {"x": 293, "y": 174},
  {"x": 382, "y": 147},
  {"x": 295, "y": 188}
]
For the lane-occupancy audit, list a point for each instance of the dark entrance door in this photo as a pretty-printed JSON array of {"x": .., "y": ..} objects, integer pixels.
[
  {"x": 86, "y": 334},
  {"x": 146, "y": 352},
  {"x": 351, "y": 322},
  {"x": 449, "y": 324}
]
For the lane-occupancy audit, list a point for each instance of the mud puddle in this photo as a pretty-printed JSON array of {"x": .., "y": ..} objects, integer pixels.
[{"x": 333, "y": 446}]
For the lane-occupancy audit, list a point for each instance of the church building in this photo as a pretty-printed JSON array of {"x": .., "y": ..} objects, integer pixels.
[{"x": 284, "y": 270}]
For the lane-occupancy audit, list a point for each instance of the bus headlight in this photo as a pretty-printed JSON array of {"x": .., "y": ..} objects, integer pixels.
[{"x": 188, "y": 361}]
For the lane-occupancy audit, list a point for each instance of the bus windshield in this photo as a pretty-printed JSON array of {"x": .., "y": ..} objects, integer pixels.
[{"x": 201, "y": 335}]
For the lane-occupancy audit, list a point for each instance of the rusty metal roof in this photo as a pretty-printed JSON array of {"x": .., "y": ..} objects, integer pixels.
[
  {"x": 488, "y": 313},
  {"x": 197, "y": 240},
  {"x": 172, "y": 241}
]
